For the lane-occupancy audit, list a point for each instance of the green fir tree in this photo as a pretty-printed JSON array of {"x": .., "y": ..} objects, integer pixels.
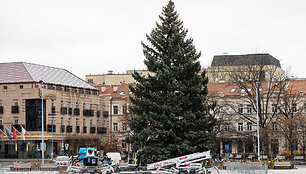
[{"x": 169, "y": 108}]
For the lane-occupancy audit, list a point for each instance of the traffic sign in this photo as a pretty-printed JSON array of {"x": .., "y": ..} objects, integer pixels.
[
  {"x": 62, "y": 148},
  {"x": 226, "y": 147}
]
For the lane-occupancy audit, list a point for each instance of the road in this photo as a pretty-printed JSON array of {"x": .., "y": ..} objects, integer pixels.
[{"x": 297, "y": 170}]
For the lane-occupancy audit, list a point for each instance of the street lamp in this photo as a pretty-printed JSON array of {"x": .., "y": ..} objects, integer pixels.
[
  {"x": 42, "y": 120},
  {"x": 257, "y": 113}
]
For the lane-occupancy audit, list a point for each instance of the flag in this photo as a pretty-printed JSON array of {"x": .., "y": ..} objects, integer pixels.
[
  {"x": 8, "y": 134},
  {"x": 14, "y": 134},
  {"x": 23, "y": 131}
]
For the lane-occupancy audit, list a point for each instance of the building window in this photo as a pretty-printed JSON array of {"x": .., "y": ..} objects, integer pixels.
[
  {"x": 226, "y": 109},
  {"x": 104, "y": 123},
  {"x": 69, "y": 104},
  {"x": 90, "y": 123},
  {"x": 0, "y": 121},
  {"x": 84, "y": 122},
  {"x": 15, "y": 120},
  {"x": 4, "y": 87},
  {"x": 1, "y": 107},
  {"x": 274, "y": 127},
  {"x": 76, "y": 105},
  {"x": 123, "y": 145},
  {"x": 20, "y": 86},
  {"x": 240, "y": 108},
  {"x": 124, "y": 110},
  {"x": 69, "y": 121},
  {"x": 76, "y": 122},
  {"x": 83, "y": 106},
  {"x": 226, "y": 127},
  {"x": 249, "y": 126},
  {"x": 97, "y": 123},
  {"x": 249, "y": 109},
  {"x": 115, "y": 108},
  {"x": 124, "y": 127},
  {"x": 294, "y": 107},
  {"x": 62, "y": 125},
  {"x": 15, "y": 102},
  {"x": 62, "y": 104},
  {"x": 115, "y": 127},
  {"x": 274, "y": 108},
  {"x": 217, "y": 112},
  {"x": 240, "y": 127}
]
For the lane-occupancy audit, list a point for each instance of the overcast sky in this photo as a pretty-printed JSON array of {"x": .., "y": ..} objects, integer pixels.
[{"x": 94, "y": 36}]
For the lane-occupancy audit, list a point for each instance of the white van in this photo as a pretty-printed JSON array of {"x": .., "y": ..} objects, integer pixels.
[{"x": 115, "y": 157}]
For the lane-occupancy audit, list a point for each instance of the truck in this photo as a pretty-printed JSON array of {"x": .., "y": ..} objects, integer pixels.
[{"x": 89, "y": 163}]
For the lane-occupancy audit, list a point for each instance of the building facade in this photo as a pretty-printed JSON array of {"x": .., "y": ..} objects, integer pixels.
[{"x": 70, "y": 108}]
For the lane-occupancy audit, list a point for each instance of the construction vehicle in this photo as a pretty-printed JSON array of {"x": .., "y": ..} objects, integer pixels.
[{"x": 193, "y": 163}]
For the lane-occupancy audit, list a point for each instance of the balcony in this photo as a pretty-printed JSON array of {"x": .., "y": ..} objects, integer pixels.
[
  {"x": 69, "y": 111},
  {"x": 92, "y": 130},
  {"x": 1, "y": 109},
  {"x": 105, "y": 113},
  {"x": 63, "y": 110},
  {"x": 76, "y": 111},
  {"x": 77, "y": 129},
  {"x": 69, "y": 129},
  {"x": 84, "y": 129},
  {"x": 15, "y": 109},
  {"x": 50, "y": 129}
]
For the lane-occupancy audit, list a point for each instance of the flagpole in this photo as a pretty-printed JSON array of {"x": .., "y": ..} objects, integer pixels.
[{"x": 42, "y": 121}]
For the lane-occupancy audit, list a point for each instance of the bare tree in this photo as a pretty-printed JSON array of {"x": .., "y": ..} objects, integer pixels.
[
  {"x": 253, "y": 81},
  {"x": 291, "y": 119}
]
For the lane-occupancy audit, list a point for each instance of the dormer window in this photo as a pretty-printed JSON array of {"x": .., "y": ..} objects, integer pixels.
[
  {"x": 233, "y": 90},
  {"x": 242, "y": 91},
  {"x": 121, "y": 93}
]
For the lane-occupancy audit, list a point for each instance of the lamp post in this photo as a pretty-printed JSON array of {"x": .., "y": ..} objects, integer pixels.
[
  {"x": 42, "y": 121},
  {"x": 52, "y": 116},
  {"x": 257, "y": 113}
]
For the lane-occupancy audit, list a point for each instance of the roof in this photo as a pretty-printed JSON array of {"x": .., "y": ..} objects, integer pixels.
[
  {"x": 232, "y": 90},
  {"x": 18, "y": 72},
  {"x": 214, "y": 89},
  {"x": 247, "y": 59},
  {"x": 116, "y": 91}
]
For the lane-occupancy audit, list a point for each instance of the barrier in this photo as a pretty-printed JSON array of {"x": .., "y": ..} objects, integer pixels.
[{"x": 246, "y": 168}]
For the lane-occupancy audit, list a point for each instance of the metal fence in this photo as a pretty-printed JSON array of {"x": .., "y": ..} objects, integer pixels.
[{"x": 246, "y": 168}]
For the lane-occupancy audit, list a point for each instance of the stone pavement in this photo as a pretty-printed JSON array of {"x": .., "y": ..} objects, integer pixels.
[{"x": 299, "y": 169}]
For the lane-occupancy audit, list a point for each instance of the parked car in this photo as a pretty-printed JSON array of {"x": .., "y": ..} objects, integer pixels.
[{"x": 62, "y": 160}]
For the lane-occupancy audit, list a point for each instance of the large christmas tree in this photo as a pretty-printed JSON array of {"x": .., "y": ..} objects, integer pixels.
[{"x": 169, "y": 107}]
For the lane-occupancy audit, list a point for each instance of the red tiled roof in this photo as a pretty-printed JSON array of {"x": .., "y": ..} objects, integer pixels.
[
  {"x": 116, "y": 91},
  {"x": 214, "y": 89}
]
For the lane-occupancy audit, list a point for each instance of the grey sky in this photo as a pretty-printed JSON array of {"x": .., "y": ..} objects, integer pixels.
[{"x": 94, "y": 36}]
